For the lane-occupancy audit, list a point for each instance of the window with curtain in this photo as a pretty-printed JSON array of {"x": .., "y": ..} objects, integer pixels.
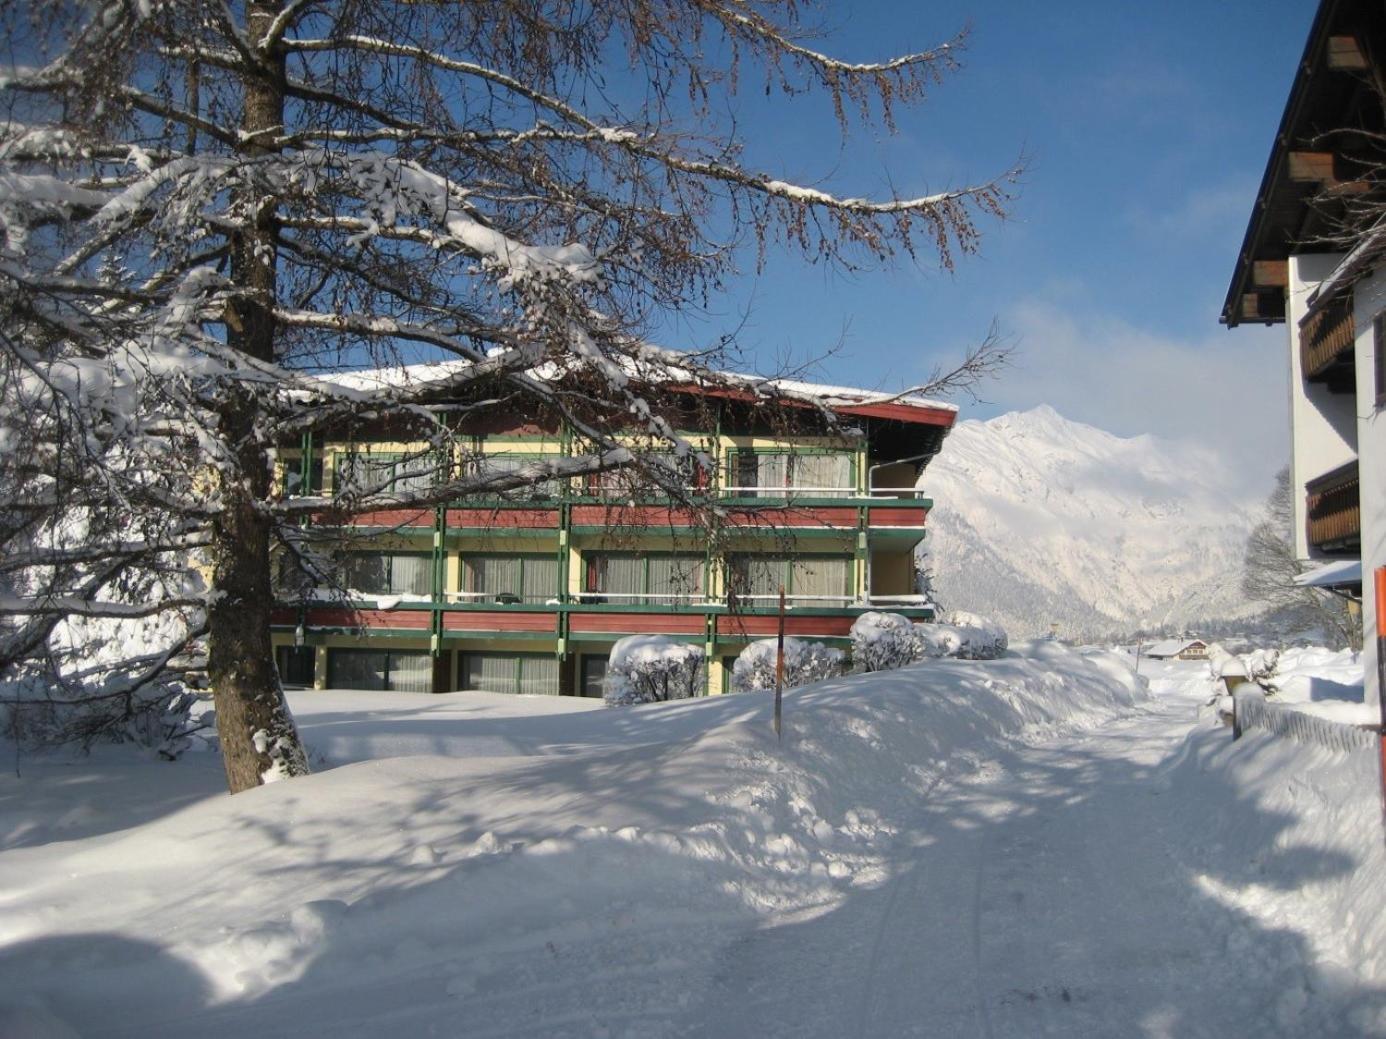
[
  {"x": 391, "y": 474},
  {"x": 530, "y": 578},
  {"x": 535, "y": 674},
  {"x": 631, "y": 578},
  {"x": 805, "y": 579},
  {"x": 407, "y": 671},
  {"x": 358, "y": 669},
  {"x": 756, "y": 578},
  {"x": 411, "y": 672},
  {"x": 673, "y": 578},
  {"x": 501, "y": 464},
  {"x": 389, "y": 573},
  {"x": 818, "y": 576},
  {"x": 637, "y": 482},
  {"x": 775, "y": 474}
]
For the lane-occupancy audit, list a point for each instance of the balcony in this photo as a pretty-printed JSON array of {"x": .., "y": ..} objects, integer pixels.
[
  {"x": 1326, "y": 346},
  {"x": 1333, "y": 512}
]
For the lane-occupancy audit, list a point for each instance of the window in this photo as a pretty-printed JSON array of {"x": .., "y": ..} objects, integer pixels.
[
  {"x": 405, "y": 672},
  {"x": 390, "y": 474},
  {"x": 502, "y": 464},
  {"x": 774, "y": 474},
  {"x": 1379, "y": 357},
  {"x": 533, "y": 674},
  {"x": 644, "y": 578},
  {"x": 295, "y": 664},
  {"x": 388, "y": 573},
  {"x": 634, "y": 481},
  {"x": 593, "y": 675},
  {"x": 823, "y": 581},
  {"x": 293, "y": 477},
  {"x": 517, "y": 578}
]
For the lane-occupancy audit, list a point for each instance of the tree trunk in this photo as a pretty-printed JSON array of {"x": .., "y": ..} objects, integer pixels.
[{"x": 259, "y": 740}]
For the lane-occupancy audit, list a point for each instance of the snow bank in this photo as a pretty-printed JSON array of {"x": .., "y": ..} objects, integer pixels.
[
  {"x": 1323, "y": 682},
  {"x": 1296, "y": 847},
  {"x": 541, "y": 887}
]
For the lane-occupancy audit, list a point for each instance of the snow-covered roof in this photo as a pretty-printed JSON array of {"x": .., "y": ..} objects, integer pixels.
[
  {"x": 1336, "y": 574},
  {"x": 835, "y": 397},
  {"x": 1172, "y": 647}
]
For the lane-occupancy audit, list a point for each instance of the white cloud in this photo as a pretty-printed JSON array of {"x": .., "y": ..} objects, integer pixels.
[{"x": 1225, "y": 391}]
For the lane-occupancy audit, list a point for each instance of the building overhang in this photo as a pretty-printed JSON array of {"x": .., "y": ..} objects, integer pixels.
[{"x": 1314, "y": 168}]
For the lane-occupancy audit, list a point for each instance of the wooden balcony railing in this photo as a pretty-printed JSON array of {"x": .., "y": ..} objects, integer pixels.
[
  {"x": 1333, "y": 511},
  {"x": 1326, "y": 340}
]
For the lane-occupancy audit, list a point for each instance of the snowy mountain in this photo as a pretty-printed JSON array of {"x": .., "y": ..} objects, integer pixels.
[{"x": 1039, "y": 520}]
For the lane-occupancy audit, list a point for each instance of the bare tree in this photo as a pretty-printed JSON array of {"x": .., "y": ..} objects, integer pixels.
[
  {"x": 1270, "y": 568},
  {"x": 207, "y": 207}
]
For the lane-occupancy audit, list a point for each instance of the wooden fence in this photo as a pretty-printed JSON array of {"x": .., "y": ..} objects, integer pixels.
[{"x": 1250, "y": 710}]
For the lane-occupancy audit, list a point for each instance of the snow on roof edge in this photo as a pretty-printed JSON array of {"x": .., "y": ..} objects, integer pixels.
[
  {"x": 368, "y": 379},
  {"x": 1332, "y": 575}
]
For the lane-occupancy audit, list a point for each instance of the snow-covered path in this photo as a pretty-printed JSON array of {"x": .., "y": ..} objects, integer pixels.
[
  {"x": 1054, "y": 894},
  {"x": 1022, "y": 847}
]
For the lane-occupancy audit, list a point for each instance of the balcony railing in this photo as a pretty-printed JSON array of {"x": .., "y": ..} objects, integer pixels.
[
  {"x": 1326, "y": 341},
  {"x": 1333, "y": 510},
  {"x": 654, "y": 600}
]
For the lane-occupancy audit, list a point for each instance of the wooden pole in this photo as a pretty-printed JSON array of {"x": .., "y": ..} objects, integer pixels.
[
  {"x": 779, "y": 667},
  {"x": 1380, "y": 582}
]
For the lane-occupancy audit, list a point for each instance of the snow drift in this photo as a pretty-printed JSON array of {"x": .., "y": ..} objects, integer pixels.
[{"x": 430, "y": 890}]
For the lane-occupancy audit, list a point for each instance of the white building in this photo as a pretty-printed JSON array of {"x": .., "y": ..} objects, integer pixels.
[{"x": 1314, "y": 258}]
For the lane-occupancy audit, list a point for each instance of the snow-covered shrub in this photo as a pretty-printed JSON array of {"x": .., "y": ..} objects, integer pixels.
[
  {"x": 652, "y": 668},
  {"x": 885, "y": 641},
  {"x": 37, "y": 709},
  {"x": 804, "y": 662},
  {"x": 1260, "y": 664},
  {"x": 103, "y": 680},
  {"x": 968, "y": 636}
]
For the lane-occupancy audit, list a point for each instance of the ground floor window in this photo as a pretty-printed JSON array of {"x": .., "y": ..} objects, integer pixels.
[
  {"x": 533, "y": 673},
  {"x": 295, "y": 664},
  {"x": 593, "y": 675},
  {"x": 404, "y": 671}
]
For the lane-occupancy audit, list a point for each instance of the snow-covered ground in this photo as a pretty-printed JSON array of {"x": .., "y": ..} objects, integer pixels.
[{"x": 1027, "y": 846}]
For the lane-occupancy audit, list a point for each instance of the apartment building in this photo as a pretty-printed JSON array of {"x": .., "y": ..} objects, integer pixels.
[
  {"x": 1312, "y": 260},
  {"x": 527, "y": 591}
]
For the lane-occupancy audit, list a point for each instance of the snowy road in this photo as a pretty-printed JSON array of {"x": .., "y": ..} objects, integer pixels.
[{"x": 1052, "y": 895}]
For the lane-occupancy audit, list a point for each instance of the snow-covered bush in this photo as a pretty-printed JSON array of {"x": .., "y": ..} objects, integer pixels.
[
  {"x": 966, "y": 636},
  {"x": 1260, "y": 664},
  {"x": 105, "y": 680},
  {"x": 804, "y": 662},
  {"x": 652, "y": 668},
  {"x": 37, "y": 709},
  {"x": 885, "y": 641}
]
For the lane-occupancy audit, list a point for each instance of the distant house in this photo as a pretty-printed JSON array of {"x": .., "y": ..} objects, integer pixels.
[{"x": 1181, "y": 649}]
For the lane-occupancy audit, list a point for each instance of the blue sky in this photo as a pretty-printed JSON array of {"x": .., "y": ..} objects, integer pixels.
[{"x": 1147, "y": 127}]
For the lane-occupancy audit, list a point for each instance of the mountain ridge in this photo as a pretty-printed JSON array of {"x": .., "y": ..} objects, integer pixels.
[{"x": 1039, "y": 520}]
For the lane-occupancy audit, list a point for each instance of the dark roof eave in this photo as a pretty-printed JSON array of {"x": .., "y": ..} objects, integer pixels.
[{"x": 1231, "y": 308}]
